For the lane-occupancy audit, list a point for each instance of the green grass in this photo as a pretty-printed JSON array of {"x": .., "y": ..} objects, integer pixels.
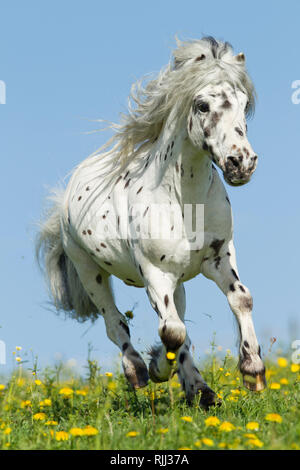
[{"x": 153, "y": 414}]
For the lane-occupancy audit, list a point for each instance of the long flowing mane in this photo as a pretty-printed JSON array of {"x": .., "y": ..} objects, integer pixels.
[
  {"x": 174, "y": 88},
  {"x": 194, "y": 64}
]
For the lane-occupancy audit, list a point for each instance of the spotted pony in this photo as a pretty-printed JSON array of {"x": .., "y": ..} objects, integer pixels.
[{"x": 187, "y": 121}]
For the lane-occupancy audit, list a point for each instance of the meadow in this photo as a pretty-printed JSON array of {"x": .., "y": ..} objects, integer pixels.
[{"x": 54, "y": 409}]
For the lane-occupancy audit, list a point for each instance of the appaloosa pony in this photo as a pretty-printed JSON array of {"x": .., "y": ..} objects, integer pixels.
[{"x": 162, "y": 154}]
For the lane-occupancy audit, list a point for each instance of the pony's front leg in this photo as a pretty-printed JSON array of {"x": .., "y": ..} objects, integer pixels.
[
  {"x": 160, "y": 288},
  {"x": 223, "y": 270}
]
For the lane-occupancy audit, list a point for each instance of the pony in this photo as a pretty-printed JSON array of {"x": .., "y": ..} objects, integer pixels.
[{"x": 129, "y": 208}]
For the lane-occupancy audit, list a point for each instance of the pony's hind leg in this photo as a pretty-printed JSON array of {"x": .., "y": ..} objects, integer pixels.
[
  {"x": 95, "y": 281},
  {"x": 224, "y": 272}
]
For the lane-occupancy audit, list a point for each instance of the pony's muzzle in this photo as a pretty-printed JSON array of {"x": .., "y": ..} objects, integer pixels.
[{"x": 236, "y": 172}]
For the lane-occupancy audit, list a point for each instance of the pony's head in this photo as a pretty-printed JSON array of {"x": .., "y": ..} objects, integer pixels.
[
  {"x": 217, "y": 125},
  {"x": 222, "y": 97}
]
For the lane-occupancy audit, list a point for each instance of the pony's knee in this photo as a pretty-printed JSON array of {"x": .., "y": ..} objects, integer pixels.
[
  {"x": 172, "y": 334},
  {"x": 240, "y": 298}
]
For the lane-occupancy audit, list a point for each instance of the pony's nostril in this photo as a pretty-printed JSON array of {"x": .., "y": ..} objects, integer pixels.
[
  {"x": 254, "y": 158},
  {"x": 233, "y": 160}
]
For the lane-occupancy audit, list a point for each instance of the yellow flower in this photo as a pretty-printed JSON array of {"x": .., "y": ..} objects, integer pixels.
[
  {"x": 275, "y": 386},
  {"x": 162, "y": 430},
  {"x": 227, "y": 374},
  {"x": 235, "y": 391},
  {"x": 2, "y": 387},
  {"x": 295, "y": 367},
  {"x": 66, "y": 392},
  {"x": 90, "y": 431},
  {"x": 222, "y": 445},
  {"x": 255, "y": 443},
  {"x": 171, "y": 356},
  {"x": 51, "y": 423},
  {"x": 212, "y": 421},
  {"x": 252, "y": 426},
  {"x": 112, "y": 386},
  {"x": 250, "y": 436},
  {"x": 81, "y": 392},
  {"x": 284, "y": 381},
  {"x": 20, "y": 382},
  {"x": 61, "y": 436},
  {"x": 184, "y": 448},
  {"x": 208, "y": 442},
  {"x": 25, "y": 403},
  {"x": 282, "y": 362},
  {"x": 46, "y": 402},
  {"x": 226, "y": 426},
  {"x": 18, "y": 348},
  {"x": 109, "y": 374},
  {"x": 18, "y": 359},
  {"x": 232, "y": 398},
  {"x": 76, "y": 432},
  {"x": 39, "y": 416},
  {"x": 37, "y": 382},
  {"x": 198, "y": 443},
  {"x": 7, "y": 431},
  {"x": 274, "y": 417},
  {"x": 295, "y": 446},
  {"x": 132, "y": 434},
  {"x": 188, "y": 419}
]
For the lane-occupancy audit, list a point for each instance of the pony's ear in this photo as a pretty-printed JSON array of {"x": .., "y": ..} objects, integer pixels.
[{"x": 240, "y": 57}]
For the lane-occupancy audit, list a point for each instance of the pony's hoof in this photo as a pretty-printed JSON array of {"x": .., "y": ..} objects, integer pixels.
[
  {"x": 255, "y": 383},
  {"x": 209, "y": 398},
  {"x": 139, "y": 379}
]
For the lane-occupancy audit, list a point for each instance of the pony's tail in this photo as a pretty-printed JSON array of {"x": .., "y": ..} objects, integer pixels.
[{"x": 66, "y": 289}]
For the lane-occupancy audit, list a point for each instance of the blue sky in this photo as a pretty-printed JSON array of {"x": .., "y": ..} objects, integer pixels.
[{"x": 68, "y": 63}]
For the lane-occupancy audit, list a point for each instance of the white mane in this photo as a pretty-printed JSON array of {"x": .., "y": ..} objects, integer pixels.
[{"x": 195, "y": 64}]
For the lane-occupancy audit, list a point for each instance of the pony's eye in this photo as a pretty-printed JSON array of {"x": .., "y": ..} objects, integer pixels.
[
  {"x": 247, "y": 106},
  {"x": 203, "y": 107}
]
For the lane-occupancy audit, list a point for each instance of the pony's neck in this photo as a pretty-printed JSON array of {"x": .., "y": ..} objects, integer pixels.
[{"x": 186, "y": 169}]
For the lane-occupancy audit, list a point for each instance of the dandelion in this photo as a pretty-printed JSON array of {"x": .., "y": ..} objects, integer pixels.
[
  {"x": 252, "y": 426},
  {"x": 109, "y": 374},
  {"x": 18, "y": 359},
  {"x": 188, "y": 419},
  {"x": 198, "y": 443},
  {"x": 295, "y": 367},
  {"x": 184, "y": 448},
  {"x": 273, "y": 417},
  {"x": 7, "y": 431},
  {"x": 222, "y": 445},
  {"x": 81, "y": 392},
  {"x": 90, "y": 431},
  {"x": 227, "y": 374},
  {"x": 250, "y": 436},
  {"x": 275, "y": 386},
  {"x": 39, "y": 416},
  {"x": 61, "y": 436},
  {"x": 66, "y": 392},
  {"x": 236, "y": 391},
  {"x": 132, "y": 434},
  {"x": 25, "y": 403},
  {"x": 212, "y": 421},
  {"x": 2, "y": 387},
  {"x": 255, "y": 442},
  {"x": 18, "y": 348},
  {"x": 162, "y": 430},
  {"x": 282, "y": 362},
  {"x": 208, "y": 442},
  {"x": 37, "y": 382},
  {"x": 46, "y": 402},
  {"x": 284, "y": 381},
  {"x": 171, "y": 356},
  {"x": 76, "y": 432},
  {"x": 226, "y": 426},
  {"x": 51, "y": 423}
]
